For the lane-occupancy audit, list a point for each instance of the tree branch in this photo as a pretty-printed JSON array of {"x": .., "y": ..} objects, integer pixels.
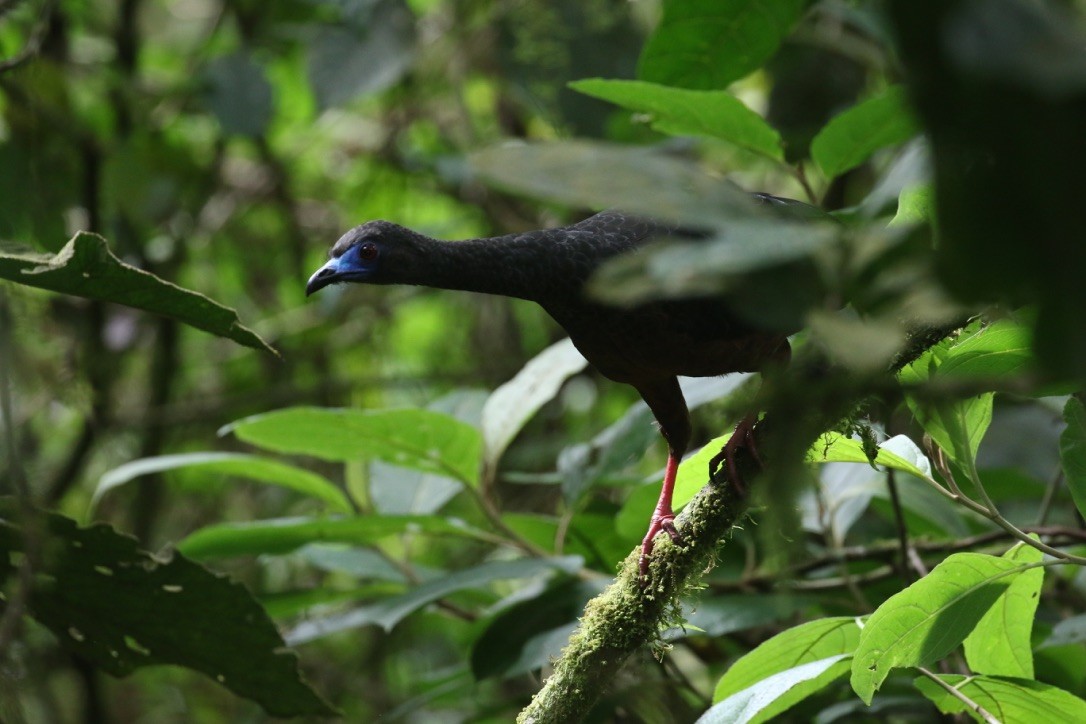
[{"x": 626, "y": 616}]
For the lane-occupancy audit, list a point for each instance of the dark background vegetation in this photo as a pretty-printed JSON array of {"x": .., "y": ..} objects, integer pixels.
[{"x": 224, "y": 146}]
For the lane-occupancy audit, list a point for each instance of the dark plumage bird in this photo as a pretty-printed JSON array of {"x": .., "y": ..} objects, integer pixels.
[{"x": 646, "y": 346}]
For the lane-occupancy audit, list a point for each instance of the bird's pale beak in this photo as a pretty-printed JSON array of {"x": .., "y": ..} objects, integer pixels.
[{"x": 327, "y": 274}]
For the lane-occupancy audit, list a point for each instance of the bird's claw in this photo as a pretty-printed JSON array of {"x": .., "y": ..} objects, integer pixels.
[
  {"x": 660, "y": 522},
  {"x": 742, "y": 438}
]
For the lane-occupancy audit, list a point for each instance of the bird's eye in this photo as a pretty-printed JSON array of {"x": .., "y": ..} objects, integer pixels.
[{"x": 367, "y": 251}]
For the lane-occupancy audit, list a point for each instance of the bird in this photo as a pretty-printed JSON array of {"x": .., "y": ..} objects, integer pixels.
[{"x": 647, "y": 345}]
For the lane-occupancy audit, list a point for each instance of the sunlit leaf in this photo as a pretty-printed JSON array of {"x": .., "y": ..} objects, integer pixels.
[
  {"x": 930, "y": 618},
  {"x": 682, "y": 112},
  {"x": 850, "y": 138},
  {"x": 777, "y": 693},
  {"x": 803, "y": 644},
  {"x": 1000, "y": 644},
  {"x": 86, "y": 267},
  {"x": 1006, "y": 699}
]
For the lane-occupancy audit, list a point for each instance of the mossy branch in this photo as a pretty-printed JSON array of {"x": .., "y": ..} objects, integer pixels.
[{"x": 627, "y": 616}]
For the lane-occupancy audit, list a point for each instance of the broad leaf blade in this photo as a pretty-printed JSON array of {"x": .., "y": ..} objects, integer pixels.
[
  {"x": 778, "y": 692},
  {"x": 927, "y": 620},
  {"x": 682, "y": 112},
  {"x": 999, "y": 645},
  {"x": 1007, "y": 699},
  {"x": 85, "y": 267},
  {"x": 707, "y": 44},
  {"x": 419, "y": 439},
  {"x": 850, "y": 138},
  {"x": 122, "y": 609},
  {"x": 600, "y": 175},
  {"x": 253, "y": 467},
  {"x": 803, "y": 644},
  {"x": 511, "y": 406}
]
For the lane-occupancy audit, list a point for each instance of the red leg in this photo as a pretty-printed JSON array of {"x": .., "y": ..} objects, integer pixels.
[
  {"x": 663, "y": 518},
  {"x": 742, "y": 438}
]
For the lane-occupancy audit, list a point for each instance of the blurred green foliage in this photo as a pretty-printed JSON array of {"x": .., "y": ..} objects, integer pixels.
[{"x": 425, "y": 543}]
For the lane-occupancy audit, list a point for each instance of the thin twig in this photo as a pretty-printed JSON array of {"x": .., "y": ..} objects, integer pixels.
[{"x": 953, "y": 691}]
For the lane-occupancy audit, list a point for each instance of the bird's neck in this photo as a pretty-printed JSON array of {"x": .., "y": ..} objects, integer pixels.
[{"x": 516, "y": 265}]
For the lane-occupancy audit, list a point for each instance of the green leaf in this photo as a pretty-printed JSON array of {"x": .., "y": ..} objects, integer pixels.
[
  {"x": 390, "y": 612},
  {"x": 1073, "y": 451},
  {"x": 418, "y": 439},
  {"x": 778, "y": 692},
  {"x": 602, "y": 176},
  {"x": 682, "y": 112},
  {"x": 511, "y": 406},
  {"x": 957, "y": 427},
  {"x": 707, "y": 44},
  {"x": 85, "y": 267},
  {"x": 1002, "y": 348},
  {"x": 999, "y": 645},
  {"x": 283, "y": 535},
  {"x": 809, "y": 642},
  {"x": 915, "y": 205},
  {"x": 927, "y": 620},
  {"x": 122, "y": 608},
  {"x": 1008, "y": 700},
  {"x": 850, "y": 138},
  {"x": 239, "y": 465},
  {"x": 833, "y": 447}
]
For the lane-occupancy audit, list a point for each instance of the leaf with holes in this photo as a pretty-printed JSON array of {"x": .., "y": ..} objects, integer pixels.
[{"x": 122, "y": 609}]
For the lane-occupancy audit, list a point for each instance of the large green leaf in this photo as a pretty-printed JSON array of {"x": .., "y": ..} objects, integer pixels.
[
  {"x": 804, "y": 644},
  {"x": 419, "y": 439},
  {"x": 957, "y": 426},
  {"x": 601, "y": 176},
  {"x": 122, "y": 608},
  {"x": 514, "y": 403},
  {"x": 239, "y": 465},
  {"x": 86, "y": 267},
  {"x": 930, "y": 618},
  {"x": 850, "y": 138},
  {"x": 276, "y": 537},
  {"x": 682, "y": 112},
  {"x": 1073, "y": 451},
  {"x": 778, "y": 692},
  {"x": 999, "y": 645},
  {"x": 1008, "y": 700},
  {"x": 707, "y": 44},
  {"x": 1002, "y": 348}
]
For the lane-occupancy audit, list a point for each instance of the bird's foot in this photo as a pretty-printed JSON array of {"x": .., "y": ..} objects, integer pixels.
[
  {"x": 659, "y": 522},
  {"x": 741, "y": 439}
]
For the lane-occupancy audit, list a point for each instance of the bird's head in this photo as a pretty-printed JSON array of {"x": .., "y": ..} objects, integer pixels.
[{"x": 372, "y": 253}]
